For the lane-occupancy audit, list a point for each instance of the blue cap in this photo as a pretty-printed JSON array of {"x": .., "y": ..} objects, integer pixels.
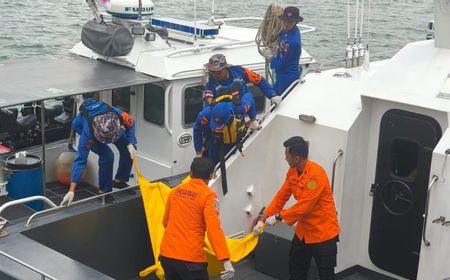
[{"x": 221, "y": 114}]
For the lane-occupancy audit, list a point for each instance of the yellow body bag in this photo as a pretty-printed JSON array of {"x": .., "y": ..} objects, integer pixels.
[{"x": 154, "y": 196}]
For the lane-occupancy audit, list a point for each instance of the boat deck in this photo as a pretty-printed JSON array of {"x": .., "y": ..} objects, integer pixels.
[
  {"x": 54, "y": 191},
  {"x": 53, "y": 238}
]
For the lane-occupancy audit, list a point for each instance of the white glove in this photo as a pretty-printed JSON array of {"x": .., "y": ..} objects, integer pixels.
[
  {"x": 131, "y": 150},
  {"x": 276, "y": 100},
  {"x": 267, "y": 53},
  {"x": 254, "y": 125},
  {"x": 257, "y": 229},
  {"x": 67, "y": 198},
  {"x": 271, "y": 220},
  {"x": 228, "y": 272}
]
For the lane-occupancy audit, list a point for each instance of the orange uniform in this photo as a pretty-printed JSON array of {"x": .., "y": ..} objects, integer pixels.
[
  {"x": 314, "y": 212},
  {"x": 192, "y": 210}
]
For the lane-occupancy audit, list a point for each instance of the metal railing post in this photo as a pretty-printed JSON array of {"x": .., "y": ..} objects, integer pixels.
[
  {"x": 339, "y": 154},
  {"x": 56, "y": 208},
  {"x": 426, "y": 242}
]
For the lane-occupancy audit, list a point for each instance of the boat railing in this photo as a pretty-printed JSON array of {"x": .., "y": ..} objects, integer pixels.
[
  {"x": 260, "y": 121},
  {"x": 245, "y": 43},
  {"x": 339, "y": 154},
  {"x": 58, "y": 208},
  {"x": 304, "y": 28},
  {"x": 22, "y": 201},
  {"x": 253, "y": 66},
  {"x": 426, "y": 242},
  {"x": 213, "y": 47},
  {"x": 43, "y": 275}
]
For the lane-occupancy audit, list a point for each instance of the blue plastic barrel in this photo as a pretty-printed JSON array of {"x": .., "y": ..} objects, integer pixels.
[{"x": 26, "y": 179}]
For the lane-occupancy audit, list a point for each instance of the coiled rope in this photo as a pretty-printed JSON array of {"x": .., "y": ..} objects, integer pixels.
[{"x": 271, "y": 26}]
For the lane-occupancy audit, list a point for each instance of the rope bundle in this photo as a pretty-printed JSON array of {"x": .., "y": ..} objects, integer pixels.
[{"x": 271, "y": 26}]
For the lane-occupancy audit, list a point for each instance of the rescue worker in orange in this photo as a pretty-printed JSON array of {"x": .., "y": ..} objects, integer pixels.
[
  {"x": 317, "y": 229},
  {"x": 191, "y": 210}
]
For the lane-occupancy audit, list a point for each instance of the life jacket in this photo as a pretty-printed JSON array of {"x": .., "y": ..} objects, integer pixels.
[
  {"x": 91, "y": 108},
  {"x": 235, "y": 89},
  {"x": 232, "y": 133}
]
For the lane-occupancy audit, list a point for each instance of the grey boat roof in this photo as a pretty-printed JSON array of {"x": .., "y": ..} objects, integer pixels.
[{"x": 27, "y": 80}]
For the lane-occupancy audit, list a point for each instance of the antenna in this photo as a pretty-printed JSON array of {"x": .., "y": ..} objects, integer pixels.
[
  {"x": 140, "y": 11},
  {"x": 195, "y": 20},
  {"x": 361, "y": 50},
  {"x": 348, "y": 49},
  {"x": 368, "y": 23},
  {"x": 94, "y": 9},
  {"x": 362, "y": 19},
  {"x": 348, "y": 20},
  {"x": 356, "y": 19}
]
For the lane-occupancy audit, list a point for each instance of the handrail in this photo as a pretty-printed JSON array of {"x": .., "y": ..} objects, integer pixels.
[
  {"x": 260, "y": 120},
  {"x": 248, "y": 65},
  {"x": 333, "y": 173},
  {"x": 285, "y": 93},
  {"x": 167, "y": 93},
  {"x": 27, "y": 199},
  {"x": 307, "y": 28},
  {"x": 43, "y": 274},
  {"x": 232, "y": 19},
  {"x": 232, "y": 44},
  {"x": 425, "y": 215},
  {"x": 200, "y": 48},
  {"x": 2, "y": 223},
  {"x": 76, "y": 203}
]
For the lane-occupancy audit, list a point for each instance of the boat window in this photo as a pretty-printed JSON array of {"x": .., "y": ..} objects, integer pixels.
[
  {"x": 193, "y": 104},
  {"x": 405, "y": 155},
  {"x": 154, "y": 104},
  {"x": 259, "y": 97},
  {"x": 121, "y": 98}
]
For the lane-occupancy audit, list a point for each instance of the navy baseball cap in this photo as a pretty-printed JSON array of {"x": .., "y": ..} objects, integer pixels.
[{"x": 221, "y": 114}]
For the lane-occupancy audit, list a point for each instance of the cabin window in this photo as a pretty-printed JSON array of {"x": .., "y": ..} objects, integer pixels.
[
  {"x": 405, "y": 154},
  {"x": 154, "y": 104},
  {"x": 260, "y": 99},
  {"x": 121, "y": 98},
  {"x": 193, "y": 104}
]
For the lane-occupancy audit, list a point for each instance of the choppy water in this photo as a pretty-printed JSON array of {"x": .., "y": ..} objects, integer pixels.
[{"x": 50, "y": 27}]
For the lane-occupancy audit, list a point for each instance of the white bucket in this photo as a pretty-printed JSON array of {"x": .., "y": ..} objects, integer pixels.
[{"x": 3, "y": 190}]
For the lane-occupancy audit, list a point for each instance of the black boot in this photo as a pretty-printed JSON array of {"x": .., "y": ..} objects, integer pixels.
[
  {"x": 122, "y": 185},
  {"x": 109, "y": 198}
]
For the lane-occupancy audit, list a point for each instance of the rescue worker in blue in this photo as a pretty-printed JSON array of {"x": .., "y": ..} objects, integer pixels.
[
  {"x": 215, "y": 127},
  {"x": 98, "y": 125},
  {"x": 286, "y": 60},
  {"x": 226, "y": 80}
]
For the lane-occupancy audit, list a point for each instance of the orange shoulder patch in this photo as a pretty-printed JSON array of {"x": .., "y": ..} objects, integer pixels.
[
  {"x": 127, "y": 120},
  {"x": 252, "y": 76},
  {"x": 204, "y": 121}
]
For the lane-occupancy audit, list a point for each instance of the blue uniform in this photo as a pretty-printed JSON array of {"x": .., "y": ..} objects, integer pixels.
[
  {"x": 286, "y": 61},
  {"x": 203, "y": 135},
  {"x": 87, "y": 143},
  {"x": 236, "y": 85}
]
